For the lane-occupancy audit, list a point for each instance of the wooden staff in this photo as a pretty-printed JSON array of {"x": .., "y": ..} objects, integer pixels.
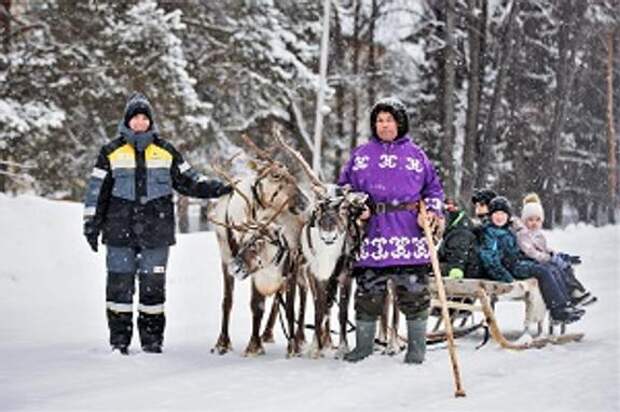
[{"x": 441, "y": 291}]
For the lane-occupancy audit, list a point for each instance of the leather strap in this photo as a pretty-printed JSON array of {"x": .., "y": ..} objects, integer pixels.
[{"x": 390, "y": 207}]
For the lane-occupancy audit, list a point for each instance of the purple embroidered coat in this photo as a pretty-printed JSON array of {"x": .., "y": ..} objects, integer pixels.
[{"x": 395, "y": 172}]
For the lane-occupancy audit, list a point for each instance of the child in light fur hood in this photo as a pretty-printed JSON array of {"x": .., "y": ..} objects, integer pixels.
[{"x": 533, "y": 244}]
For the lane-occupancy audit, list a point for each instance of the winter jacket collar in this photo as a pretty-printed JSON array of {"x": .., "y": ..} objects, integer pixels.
[
  {"x": 139, "y": 141},
  {"x": 398, "y": 141}
]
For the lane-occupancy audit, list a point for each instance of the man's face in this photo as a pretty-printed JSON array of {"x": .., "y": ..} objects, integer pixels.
[
  {"x": 387, "y": 128},
  {"x": 481, "y": 209},
  {"x": 139, "y": 123}
]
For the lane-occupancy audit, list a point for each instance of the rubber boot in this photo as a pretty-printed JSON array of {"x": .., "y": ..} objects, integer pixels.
[
  {"x": 364, "y": 341},
  {"x": 416, "y": 341}
]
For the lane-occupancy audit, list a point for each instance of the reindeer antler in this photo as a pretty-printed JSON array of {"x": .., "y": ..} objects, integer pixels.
[
  {"x": 262, "y": 154},
  {"x": 251, "y": 224},
  {"x": 318, "y": 186},
  {"x": 220, "y": 171},
  {"x": 278, "y": 211}
]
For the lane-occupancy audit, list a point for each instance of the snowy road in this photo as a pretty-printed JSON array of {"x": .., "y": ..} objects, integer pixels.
[{"x": 54, "y": 355}]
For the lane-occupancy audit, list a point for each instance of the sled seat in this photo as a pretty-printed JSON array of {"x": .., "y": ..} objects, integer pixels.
[{"x": 479, "y": 295}]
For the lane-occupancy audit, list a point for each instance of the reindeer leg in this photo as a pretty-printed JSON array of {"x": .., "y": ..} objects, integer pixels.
[
  {"x": 223, "y": 344},
  {"x": 300, "y": 335},
  {"x": 325, "y": 339},
  {"x": 343, "y": 315},
  {"x": 257, "y": 304},
  {"x": 382, "y": 333},
  {"x": 293, "y": 348},
  {"x": 327, "y": 334},
  {"x": 315, "y": 348},
  {"x": 391, "y": 347},
  {"x": 267, "y": 336}
]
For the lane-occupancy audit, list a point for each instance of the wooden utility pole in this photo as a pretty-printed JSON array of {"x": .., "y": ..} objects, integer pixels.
[
  {"x": 320, "y": 101},
  {"x": 355, "y": 72},
  {"x": 612, "y": 164}
]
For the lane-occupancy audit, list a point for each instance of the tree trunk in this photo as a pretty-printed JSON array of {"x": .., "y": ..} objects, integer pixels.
[
  {"x": 318, "y": 124},
  {"x": 475, "y": 26},
  {"x": 566, "y": 70},
  {"x": 372, "y": 66},
  {"x": 5, "y": 20},
  {"x": 447, "y": 141},
  {"x": 356, "y": 56},
  {"x": 487, "y": 139},
  {"x": 611, "y": 133},
  {"x": 339, "y": 52}
]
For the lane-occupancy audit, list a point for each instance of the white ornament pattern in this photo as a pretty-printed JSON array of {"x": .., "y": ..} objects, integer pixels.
[
  {"x": 388, "y": 161},
  {"x": 414, "y": 165},
  {"x": 396, "y": 248},
  {"x": 400, "y": 244},
  {"x": 360, "y": 162},
  {"x": 420, "y": 248},
  {"x": 380, "y": 253}
]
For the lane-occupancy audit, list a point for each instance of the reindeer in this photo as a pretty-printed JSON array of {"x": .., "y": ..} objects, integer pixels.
[
  {"x": 328, "y": 240},
  {"x": 271, "y": 194}
]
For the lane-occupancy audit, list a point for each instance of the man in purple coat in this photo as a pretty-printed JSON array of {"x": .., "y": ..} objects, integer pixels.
[{"x": 397, "y": 174}]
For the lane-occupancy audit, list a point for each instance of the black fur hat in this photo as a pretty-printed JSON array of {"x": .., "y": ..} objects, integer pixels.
[
  {"x": 500, "y": 203},
  {"x": 396, "y": 108},
  {"x": 138, "y": 103},
  {"x": 483, "y": 196}
]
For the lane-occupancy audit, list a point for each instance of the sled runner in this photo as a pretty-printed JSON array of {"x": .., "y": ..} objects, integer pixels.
[{"x": 477, "y": 295}]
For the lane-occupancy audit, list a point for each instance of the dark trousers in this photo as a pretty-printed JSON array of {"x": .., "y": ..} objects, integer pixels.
[
  {"x": 567, "y": 278},
  {"x": 553, "y": 289},
  {"x": 124, "y": 264},
  {"x": 411, "y": 287}
]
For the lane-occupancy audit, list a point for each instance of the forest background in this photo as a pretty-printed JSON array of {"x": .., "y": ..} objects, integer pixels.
[{"x": 513, "y": 95}]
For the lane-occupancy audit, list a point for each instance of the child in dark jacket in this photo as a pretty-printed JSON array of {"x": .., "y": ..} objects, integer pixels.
[
  {"x": 503, "y": 261},
  {"x": 458, "y": 252}
]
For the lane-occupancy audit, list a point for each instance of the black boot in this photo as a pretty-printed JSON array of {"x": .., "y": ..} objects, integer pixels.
[
  {"x": 364, "y": 341},
  {"x": 565, "y": 314},
  {"x": 122, "y": 349},
  {"x": 416, "y": 340},
  {"x": 151, "y": 328},
  {"x": 120, "y": 325}
]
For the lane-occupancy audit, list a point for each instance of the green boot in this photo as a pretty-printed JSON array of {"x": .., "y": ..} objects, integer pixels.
[
  {"x": 416, "y": 338},
  {"x": 364, "y": 341}
]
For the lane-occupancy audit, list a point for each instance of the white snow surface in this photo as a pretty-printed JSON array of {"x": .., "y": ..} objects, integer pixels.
[{"x": 54, "y": 354}]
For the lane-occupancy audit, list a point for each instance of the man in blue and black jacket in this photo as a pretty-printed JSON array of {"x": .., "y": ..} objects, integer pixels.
[{"x": 129, "y": 201}]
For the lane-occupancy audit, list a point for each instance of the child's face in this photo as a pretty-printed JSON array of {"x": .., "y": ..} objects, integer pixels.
[
  {"x": 139, "y": 123},
  {"x": 481, "y": 209},
  {"x": 499, "y": 218},
  {"x": 533, "y": 223}
]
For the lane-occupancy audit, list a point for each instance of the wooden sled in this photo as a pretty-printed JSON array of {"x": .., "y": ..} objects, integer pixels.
[{"x": 481, "y": 292}]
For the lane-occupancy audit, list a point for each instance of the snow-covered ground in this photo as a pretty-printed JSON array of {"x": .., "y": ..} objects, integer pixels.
[{"x": 54, "y": 353}]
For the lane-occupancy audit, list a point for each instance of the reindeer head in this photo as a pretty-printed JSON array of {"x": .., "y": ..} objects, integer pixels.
[
  {"x": 274, "y": 184},
  {"x": 329, "y": 216},
  {"x": 263, "y": 247}
]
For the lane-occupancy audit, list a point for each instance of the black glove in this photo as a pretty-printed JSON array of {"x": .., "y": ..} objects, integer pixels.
[
  {"x": 224, "y": 190},
  {"x": 573, "y": 260},
  {"x": 93, "y": 240}
]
